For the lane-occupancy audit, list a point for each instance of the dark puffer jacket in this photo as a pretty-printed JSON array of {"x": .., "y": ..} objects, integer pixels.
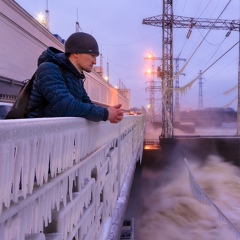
[{"x": 59, "y": 91}]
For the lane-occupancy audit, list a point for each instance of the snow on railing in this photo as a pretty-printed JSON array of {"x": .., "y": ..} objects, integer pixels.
[{"x": 63, "y": 176}]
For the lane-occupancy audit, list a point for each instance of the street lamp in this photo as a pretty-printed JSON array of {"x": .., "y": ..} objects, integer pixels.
[
  {"x": 106, "y": 78},
  {"x": 41, "y": 18},
  {"x": 149, "y": 71}
]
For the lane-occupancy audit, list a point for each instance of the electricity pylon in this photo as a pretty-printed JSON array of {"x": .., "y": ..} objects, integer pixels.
[
  {"x": 200, "y": 94},
  {"x": 168, "y": 21}
]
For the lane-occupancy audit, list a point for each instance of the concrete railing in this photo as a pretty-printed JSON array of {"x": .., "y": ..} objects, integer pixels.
[{"x": 65, "y": 178}]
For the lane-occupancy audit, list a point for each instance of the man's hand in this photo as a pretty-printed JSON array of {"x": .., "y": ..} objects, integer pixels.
[{"x": 115, "y": 113}]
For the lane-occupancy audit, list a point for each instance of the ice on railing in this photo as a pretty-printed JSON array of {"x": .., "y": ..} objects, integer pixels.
[
  {"x": 6, "y": 176},
  {"x": 60, "y": 148},
  {"x": 86, "y": 191},
  {"x": 202, "y": 197},
  {"x": 78, "y": 233},
  {"x": 76, "y": 209},
  {"x": 76, "y": 154},
  {"x": 32, "y": 217},
  {"x": 126, "y": 153}
]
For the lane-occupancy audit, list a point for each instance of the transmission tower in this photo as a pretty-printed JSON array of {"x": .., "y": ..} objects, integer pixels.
[
  {"x": 200, "y": 94},
  {"x": 47, "y": 17},
  {"x": 153, "y": 86},
  {"x": 167, "y": 21},
  {"x": 177, "y": 105}
]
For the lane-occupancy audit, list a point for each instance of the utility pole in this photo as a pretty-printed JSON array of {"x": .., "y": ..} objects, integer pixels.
[
  {"x": 108, "y": 72},
  {"x": 238, "y": 109},
  {"x": 200, "y": 94},
  {"x": 47, "y": 17},
  {"x": 78, "y": 28},
  {"x": 167, "y": 68},
  {"x": 153, "y": 86},
  {"x": 177, "y": 104},
  {"x": 167, "y": 21}
]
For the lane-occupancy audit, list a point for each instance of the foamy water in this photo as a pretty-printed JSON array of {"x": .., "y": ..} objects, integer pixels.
[
  {"x": 227, "y": 129},
  {"x": 170, "y": 212}
]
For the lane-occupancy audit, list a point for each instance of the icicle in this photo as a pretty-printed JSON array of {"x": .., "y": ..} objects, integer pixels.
[
  {"x": 32, "y": 165},
  {"x": 229, "y": 104},
  {"x": 182, "y": 89},
  {"x": 230, "y": 90}
]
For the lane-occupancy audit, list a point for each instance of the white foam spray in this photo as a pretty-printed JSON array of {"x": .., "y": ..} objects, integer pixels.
[{"x": 208, "y": 210}]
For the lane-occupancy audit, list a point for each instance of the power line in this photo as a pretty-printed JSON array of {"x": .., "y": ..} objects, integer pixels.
[{"x": 167, "y": 21}]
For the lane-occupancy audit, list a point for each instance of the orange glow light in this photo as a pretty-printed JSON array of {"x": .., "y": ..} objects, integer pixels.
[
  {"x": 150, "y": 56},
  {"x": 151, "y": 147},
  {"x": 149, "y": 71}
]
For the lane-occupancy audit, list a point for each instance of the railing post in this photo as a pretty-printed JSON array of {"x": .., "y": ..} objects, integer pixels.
[{"x": 119, "y": 158}]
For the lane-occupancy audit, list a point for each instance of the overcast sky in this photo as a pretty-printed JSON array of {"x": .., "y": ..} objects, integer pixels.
[{"x": 124, "y": 42}]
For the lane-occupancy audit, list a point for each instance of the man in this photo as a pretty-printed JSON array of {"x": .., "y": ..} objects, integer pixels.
[{"x": 58, "y": 88}]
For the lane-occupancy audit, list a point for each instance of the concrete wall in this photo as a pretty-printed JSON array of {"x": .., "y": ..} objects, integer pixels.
[{"x": 22, "y": 40}]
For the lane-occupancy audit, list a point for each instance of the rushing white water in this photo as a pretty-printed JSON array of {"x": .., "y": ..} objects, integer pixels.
[
  {"x": 227, "y": 129},
  {"x": 171, "y": 212}
]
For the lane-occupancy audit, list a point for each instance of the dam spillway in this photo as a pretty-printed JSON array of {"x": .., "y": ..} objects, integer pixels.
[{"x": 161, "y": 201}]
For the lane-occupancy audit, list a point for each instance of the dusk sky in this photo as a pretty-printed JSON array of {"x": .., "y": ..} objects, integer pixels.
[{"x": 124, "y": 43}]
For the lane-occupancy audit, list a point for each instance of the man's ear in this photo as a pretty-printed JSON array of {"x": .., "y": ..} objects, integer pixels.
[{"x": 75, "y": 55}]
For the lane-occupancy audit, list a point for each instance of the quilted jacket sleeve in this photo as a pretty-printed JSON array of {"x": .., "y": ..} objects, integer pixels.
[{"x": 66, "y": 99}]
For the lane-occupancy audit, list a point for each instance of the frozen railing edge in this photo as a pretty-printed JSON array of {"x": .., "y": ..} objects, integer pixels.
[
  {"x": 203, "y": 198},
  {"x": 63, "y": 141},
  {"x": 48, "y": 140},
  {"x": 122, "y": 201}
]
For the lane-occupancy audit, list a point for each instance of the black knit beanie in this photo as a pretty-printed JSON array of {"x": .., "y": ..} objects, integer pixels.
[{"x": 81, "y": 42}]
